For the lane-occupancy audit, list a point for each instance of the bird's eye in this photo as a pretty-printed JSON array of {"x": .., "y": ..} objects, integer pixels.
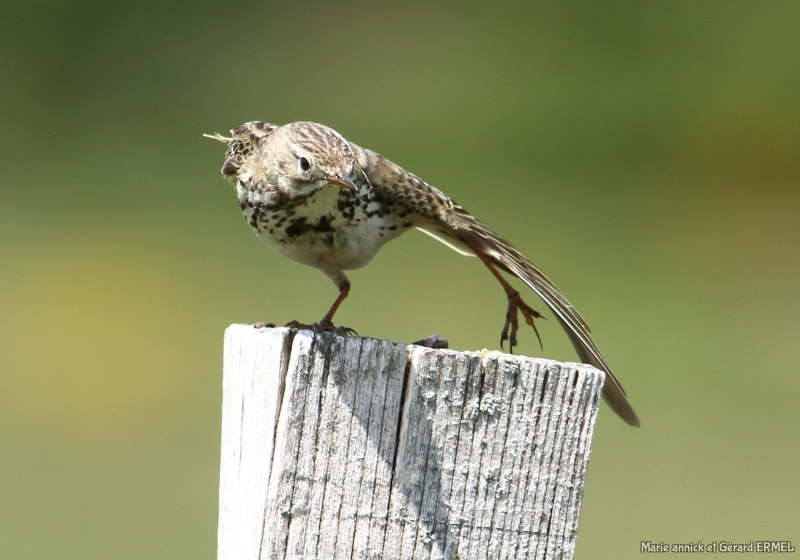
[{"x": 305, "y": 165}]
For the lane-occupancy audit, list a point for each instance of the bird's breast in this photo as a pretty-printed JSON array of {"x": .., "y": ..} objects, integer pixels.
[{"x": 330, "y": 228}]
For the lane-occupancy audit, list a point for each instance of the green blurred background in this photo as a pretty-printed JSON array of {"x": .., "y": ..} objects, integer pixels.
[{"x": 643, "y": 154}]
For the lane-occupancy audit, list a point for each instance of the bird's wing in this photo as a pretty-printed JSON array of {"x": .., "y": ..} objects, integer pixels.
[
  {"x": 436, "y": 214},
  {"x": 468, "y": 230}
]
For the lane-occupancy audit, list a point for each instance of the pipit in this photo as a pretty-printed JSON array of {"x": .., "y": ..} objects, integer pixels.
[{"x": 327, "y": 203}]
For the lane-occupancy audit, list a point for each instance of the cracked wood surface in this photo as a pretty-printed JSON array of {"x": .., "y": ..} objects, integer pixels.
[{"x": 358, "y": 448}]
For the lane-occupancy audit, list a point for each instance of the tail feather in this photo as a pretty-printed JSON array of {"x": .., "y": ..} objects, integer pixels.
[{"x": 472, "y": 232}]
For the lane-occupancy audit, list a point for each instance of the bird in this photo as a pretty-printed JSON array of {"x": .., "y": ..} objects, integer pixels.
[{"x": 325, "y": 202}]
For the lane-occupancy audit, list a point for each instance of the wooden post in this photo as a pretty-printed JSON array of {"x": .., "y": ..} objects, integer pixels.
[{"x": 356, "y": 448}]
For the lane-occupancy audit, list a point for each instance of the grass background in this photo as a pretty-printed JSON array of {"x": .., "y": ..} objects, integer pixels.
[{"x": 643, "y": 154}]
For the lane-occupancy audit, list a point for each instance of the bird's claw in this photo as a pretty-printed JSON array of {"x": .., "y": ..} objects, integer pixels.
[
  {"x": 324, "y": 326},
  {"x": 433, "y": 341},
  {"x": 511, "y": 326}
]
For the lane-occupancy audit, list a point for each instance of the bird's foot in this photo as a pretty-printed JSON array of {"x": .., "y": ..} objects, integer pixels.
[
  {"x": 324, "y": 326},
  {"x": 433, "y": 341},
  {"x": 515, "y": 306},
  {"x": 262, "y": 325}
]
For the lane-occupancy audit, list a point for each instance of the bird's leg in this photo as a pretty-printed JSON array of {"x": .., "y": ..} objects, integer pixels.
[
  {"x": 326, "y": 323},
  {"x": 515, "y": 305}
]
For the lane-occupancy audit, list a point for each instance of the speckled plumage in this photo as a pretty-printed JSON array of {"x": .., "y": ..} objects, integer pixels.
[{"x": 325, "y": 202}]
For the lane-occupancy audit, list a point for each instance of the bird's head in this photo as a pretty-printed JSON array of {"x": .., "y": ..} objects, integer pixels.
[{"x": 296, "y": 159}]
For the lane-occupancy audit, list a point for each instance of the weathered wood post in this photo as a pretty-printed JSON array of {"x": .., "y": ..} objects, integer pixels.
[{"x": 356, "y": 448}]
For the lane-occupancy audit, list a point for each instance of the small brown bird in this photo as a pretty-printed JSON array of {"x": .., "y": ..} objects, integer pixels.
[{"x": 325, "y": 202}]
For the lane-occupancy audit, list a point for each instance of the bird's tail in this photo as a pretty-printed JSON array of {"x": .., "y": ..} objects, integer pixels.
[{"x": 480, "y": 238}]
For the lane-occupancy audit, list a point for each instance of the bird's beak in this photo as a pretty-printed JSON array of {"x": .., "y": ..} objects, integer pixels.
[{"x": 342, "y": 180}]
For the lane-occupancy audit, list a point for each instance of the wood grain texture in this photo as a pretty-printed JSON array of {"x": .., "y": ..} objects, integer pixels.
[{"x": 357, "y": 448}]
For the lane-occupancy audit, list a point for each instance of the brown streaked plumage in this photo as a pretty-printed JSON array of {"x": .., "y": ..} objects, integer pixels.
[{"x": 325, "y": 202}]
